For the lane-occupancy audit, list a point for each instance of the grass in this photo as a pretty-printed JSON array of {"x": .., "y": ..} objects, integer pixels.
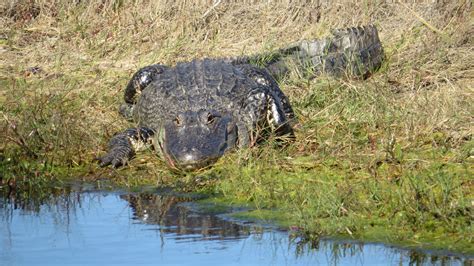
[{"x": 389, "y": 158}]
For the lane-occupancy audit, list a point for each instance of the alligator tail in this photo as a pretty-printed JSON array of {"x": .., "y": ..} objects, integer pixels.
[{"x": 355, "y": 51}]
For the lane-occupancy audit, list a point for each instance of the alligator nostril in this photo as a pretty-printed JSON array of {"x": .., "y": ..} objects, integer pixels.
[{"x": 188, "y": 157}]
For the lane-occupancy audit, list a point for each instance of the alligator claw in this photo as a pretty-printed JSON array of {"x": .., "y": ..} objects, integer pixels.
[
  {"x": 116, "y": 163},
  {"x": 110, "y": 159},
  {"x": 102, "y": 161}
]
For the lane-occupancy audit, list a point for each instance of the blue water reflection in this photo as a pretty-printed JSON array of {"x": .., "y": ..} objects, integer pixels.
[{"x": 97, "y": 228}]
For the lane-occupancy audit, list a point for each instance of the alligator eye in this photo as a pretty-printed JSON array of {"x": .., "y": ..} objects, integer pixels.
[{"x": 211, "y": 118}]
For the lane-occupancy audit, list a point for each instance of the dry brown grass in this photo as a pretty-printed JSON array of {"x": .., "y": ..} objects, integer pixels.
[{"x": 86, "y": 51}]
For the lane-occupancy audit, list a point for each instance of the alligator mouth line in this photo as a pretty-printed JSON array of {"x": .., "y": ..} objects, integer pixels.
[
  {"x": 197, "y": 165},
  {"x": 167, "y": 158}
]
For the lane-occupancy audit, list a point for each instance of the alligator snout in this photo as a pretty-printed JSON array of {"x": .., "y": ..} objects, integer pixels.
[
  {"x": 195, "y": 140},
  {"x": 193, "y": 159}
]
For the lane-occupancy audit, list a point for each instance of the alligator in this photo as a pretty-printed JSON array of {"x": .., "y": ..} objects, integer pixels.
[{"x": 192, "y": 113}]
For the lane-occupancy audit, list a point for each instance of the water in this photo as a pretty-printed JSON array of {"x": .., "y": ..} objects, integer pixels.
[{"x": 97, "y": 228}]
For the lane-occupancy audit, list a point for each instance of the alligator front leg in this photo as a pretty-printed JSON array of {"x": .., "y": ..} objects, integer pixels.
[
  {"x": 263, "y": 114},
  {"x": 262, "y": 77},
  {"x": 122, "y": 147}
]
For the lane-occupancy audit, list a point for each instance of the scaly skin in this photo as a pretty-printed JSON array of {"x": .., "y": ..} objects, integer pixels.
[
  {"x": 194, "y": 112},
  {"x": 355, "y": 51}
]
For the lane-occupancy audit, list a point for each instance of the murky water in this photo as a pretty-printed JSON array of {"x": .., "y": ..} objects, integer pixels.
[{"x": 97, "y": 228}]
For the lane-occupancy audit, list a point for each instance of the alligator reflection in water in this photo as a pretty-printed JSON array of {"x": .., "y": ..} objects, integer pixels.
[
  {"x": 106, "y": 228},
  {"x": 174, "y": 218},
  {"x": 180, "y": 220}
]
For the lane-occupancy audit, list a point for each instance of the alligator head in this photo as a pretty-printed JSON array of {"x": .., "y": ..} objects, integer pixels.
[{"x": 194, "y": 140}]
